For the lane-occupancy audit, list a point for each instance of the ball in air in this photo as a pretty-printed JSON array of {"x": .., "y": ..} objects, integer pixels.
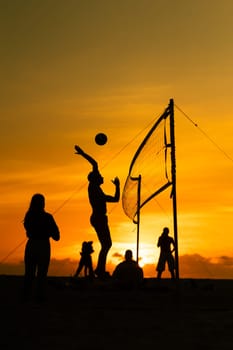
[{"x": 101, "y": 139}]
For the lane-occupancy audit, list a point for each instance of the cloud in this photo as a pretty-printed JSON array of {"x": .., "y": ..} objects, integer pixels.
[
  {"x": 215, "y": 267},
  {"x": 191, "y": 266},
  {"x": 118, "y": 255}
]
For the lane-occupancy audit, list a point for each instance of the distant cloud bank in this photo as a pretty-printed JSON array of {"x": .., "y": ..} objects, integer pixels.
[{"x": 191, "y": 266}]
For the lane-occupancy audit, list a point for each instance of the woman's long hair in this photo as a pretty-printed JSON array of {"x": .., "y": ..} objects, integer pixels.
[{"x": 37, "y": 203}]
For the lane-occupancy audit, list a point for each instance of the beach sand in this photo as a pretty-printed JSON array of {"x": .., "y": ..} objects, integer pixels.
[{"x": 191, "y": 314}]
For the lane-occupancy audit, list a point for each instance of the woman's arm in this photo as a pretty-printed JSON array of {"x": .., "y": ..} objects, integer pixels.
[
  {"x": 55, "y": 233},
  {"x": 87, "y": 157}
]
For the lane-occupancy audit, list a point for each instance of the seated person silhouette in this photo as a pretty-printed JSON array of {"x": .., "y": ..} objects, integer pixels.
[
  {"x": 128, "y": 274},
  {"x": 86, "y": 260}
]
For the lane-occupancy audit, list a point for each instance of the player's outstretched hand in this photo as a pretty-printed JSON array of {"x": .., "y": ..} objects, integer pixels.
[
  {"x": 78, "y": 150},
  {"x": 116, "y": 181}
]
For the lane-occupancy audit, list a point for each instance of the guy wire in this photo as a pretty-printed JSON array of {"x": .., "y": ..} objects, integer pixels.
[{"x": 204, "y": 133}]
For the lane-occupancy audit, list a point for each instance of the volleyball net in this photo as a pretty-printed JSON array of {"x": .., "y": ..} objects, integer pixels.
[{"x": 150, "y": 171}]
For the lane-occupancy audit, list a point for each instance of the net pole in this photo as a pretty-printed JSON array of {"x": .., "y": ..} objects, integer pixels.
[
  {"x": 173, "y": 162},
  {"x": 138, "y": 216}
]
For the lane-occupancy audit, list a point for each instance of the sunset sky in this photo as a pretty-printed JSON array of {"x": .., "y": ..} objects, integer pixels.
[{"x": 71, "y": 69}]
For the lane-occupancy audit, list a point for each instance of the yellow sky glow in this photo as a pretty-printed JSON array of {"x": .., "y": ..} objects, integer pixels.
[{"x": 72, "y": 69}]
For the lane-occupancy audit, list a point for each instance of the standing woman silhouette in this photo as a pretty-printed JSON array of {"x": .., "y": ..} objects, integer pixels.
[
  {"x": 99, "y": 220},
  {"x": 39, "y": 226}
]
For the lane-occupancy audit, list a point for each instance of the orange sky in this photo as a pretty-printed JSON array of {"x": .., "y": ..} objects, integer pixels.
[{"x": 72, "y": 69}]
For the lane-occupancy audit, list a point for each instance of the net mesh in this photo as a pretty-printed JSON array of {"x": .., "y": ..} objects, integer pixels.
[{"x": 151, "y": 166}]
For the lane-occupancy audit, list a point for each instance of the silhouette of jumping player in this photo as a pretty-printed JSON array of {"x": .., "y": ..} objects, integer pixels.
[
  {"x": 128, "y": 274},
  {"x": 86, "y": 260},
  {"x": 39, "y": 226},
  {"x": 165, "y": 242},
  {"x": 99, "y": 220}
]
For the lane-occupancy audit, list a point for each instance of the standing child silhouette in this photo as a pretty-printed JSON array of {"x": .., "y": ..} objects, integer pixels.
[
  {"x": 86, "y": 260},
  {"x": 99, "y": 220}
]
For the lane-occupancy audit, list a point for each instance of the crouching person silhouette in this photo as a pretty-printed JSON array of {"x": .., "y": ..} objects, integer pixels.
[
  {"x": 40, "y": 226},
  {"x": 99, "y": 220},
  {"x": 86, "y": 260}
]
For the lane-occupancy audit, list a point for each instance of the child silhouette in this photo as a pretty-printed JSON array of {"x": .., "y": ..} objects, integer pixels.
[{"x": 86, "y": 260}]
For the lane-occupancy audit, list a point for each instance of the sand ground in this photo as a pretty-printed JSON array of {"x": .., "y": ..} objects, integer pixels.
[{"x": 195, "y": 314}]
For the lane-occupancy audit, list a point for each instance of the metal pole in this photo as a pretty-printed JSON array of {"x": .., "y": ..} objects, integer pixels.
[
  {"x": 173, "y": 162},
  {"x": 138, "y": 216}
]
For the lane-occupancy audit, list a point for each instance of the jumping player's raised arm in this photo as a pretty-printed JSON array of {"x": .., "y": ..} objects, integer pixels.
[{"x": 91, "y": 160}]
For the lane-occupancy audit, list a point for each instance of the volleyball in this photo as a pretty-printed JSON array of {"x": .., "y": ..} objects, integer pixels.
[{"x": 101, "y": 139}]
